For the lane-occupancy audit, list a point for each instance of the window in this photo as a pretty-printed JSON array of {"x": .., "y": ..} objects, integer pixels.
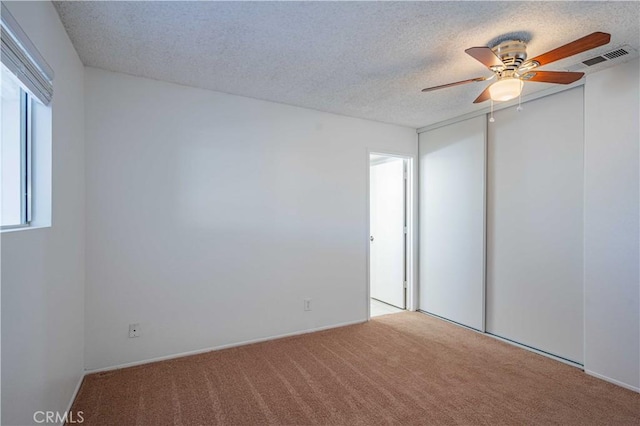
[
  {"x": 26, "y": 89},
  {"x": 15, "y": 153}
]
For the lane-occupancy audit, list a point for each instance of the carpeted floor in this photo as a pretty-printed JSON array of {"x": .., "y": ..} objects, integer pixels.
[{"x": 405, "y": 368}]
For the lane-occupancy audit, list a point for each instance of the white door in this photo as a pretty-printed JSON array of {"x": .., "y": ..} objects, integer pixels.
[
  {"x": 535, "y": 285},
  {"x": 452, "y": 176},
  {"x": 387, "y": 238}
]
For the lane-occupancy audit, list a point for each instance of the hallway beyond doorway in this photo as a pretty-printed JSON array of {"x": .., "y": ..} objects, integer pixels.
[{"x": 380, "y": 308}]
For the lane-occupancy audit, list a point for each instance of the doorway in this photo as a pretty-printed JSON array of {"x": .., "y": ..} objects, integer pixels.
[{"x": 389, "y": 196}]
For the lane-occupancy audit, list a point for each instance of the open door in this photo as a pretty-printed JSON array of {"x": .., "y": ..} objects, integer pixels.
[{"x": 388, "y": 193}]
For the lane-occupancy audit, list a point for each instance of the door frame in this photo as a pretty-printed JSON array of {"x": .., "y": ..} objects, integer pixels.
[{"x": 411, "y": 295}]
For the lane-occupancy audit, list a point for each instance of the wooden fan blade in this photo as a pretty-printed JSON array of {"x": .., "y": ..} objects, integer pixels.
[
  {"x": 558, "y": 77},
  {"x": 583, "y": 44},
  {"x": 457, "y": 83},
  {"x": 485, "y": 56},
  {"x": 484, "y": 96}
]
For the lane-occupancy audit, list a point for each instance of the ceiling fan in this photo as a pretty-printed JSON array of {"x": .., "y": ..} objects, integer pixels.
[{"x": 511, "y": 68}]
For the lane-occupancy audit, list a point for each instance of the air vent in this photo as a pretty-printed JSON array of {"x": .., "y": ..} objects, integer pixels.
[
  {"x": 615, "y": 54},
  {"x": 607, "y": 59},
  {"x": 591, "y": 62}
]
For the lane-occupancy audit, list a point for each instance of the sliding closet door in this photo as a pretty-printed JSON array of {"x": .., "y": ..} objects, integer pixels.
[
  {"x": 452, "y": 187},
  {"x": 535, "y": 225}
]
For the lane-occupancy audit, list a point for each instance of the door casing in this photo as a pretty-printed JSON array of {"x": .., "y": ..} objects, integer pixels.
[{"x": 411, "y": 237}]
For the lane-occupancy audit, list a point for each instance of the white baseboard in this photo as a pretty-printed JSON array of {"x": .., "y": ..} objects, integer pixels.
[
  {"x": 74, "y": 394},
  {"x": 217, "y": 348},
  {"x": 614, "y": 381}
]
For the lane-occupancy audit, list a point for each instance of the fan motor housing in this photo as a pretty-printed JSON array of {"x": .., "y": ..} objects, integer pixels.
[{"x": 512, "y": 53}]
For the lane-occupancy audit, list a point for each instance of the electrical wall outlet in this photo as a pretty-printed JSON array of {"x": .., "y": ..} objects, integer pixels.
[
  {"x": 134, "y": 330},
  {"x": 307, "y": 304}
]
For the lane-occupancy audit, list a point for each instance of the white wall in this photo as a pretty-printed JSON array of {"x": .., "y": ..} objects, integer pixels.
[
  {"x": 43, "y": 269},
  {"x": 612, "y": 277},
  {"x": 210, "y": 217}
]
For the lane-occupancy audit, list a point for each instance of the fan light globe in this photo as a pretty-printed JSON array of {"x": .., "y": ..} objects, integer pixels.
[{"x": 505, "y": 89}]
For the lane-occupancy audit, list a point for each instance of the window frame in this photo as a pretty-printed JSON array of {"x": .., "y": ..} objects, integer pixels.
[{"x": 26, "y": 206}]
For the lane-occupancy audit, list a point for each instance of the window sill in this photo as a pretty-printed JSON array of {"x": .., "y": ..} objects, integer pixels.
[{"x": 23, "y": 228}]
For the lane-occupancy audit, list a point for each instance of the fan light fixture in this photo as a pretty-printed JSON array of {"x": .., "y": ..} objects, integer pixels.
[
  {"x": 509, "y": 63},
  {"x": 506, "y": 89}
]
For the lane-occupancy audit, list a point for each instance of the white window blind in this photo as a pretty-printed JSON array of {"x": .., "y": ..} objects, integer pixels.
[{"x": 22, "y": 58}]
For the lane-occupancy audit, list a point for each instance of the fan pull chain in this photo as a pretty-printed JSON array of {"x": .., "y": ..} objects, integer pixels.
[
  {"x": 519, "y": 102},
  {"x": 491, "y": 119}
]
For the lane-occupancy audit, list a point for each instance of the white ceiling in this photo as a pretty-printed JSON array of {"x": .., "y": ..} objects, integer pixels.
[{"x": 361, "y": 59}]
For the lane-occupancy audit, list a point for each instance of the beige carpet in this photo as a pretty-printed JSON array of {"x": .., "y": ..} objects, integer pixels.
[{"x": 405, "y": 368}]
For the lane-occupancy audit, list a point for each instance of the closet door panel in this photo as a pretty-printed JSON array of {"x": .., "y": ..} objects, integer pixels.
[
  {"x": 452, "y": 188},
  {"x": 535, "y": 225}
]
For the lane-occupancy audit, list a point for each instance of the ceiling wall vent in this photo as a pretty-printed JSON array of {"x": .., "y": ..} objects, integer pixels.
[
  {"x": 615, "y": 54},
  {"x": 619, "y": 54},
  {"x": 591, "y": 62}
]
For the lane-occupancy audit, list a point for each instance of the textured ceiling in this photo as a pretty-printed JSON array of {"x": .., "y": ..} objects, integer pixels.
[{"x": 361, "y": 59}]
